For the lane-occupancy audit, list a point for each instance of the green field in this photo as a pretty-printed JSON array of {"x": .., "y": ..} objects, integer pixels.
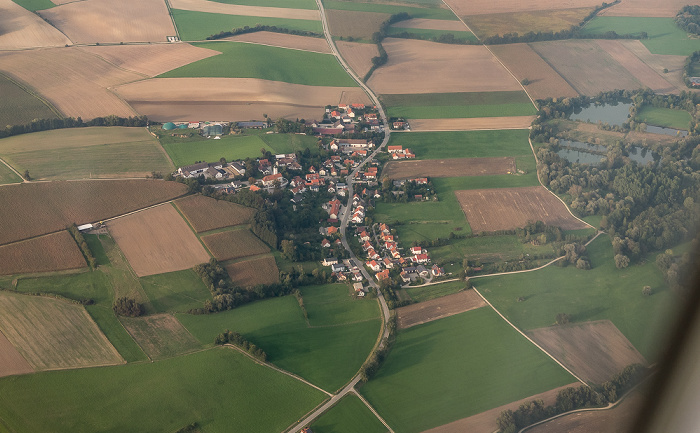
[
  {"x": 294, "y": 4},
  {"x": 197, "y": 26},
  {"x": 18, "y": 106},
  {"x": 667, "y": 117},
  {"x": 241, "y": 60},
  {"x": 455, "y": 367},
  {"x": 35, "y": 5},
  {"x": 430, "y": 33},
  {"x": 175, "y": 292},
  {"x": 415, "y": 12},
  {"x": 79, "y": 153},
  {"x": 603, "y": 292},
  {"x": 487, "y": 249},
  {"x": 327, "y": 356},
  {"x": 455, "y": 105},
  {"x": 331, "y": 304},
  {"x": 97, "y": 250},
  {"x": 7, "y": 175},
  {"x": 220, "y": 389},
  {"x": 422, "y": 294},
  {"x": 349, "y": 415},
  {"x": 161, "y": 336},
  {"x": 665, "y": 37}
]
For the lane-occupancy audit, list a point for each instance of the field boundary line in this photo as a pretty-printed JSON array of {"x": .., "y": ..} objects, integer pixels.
[
  {"x": 276, "y": 46},
  {"x": 33, "y": 92},
  {"x": 177, "y": 209},
  {"x": 555, "y": 69},
  {"x": 530, "y": 339},
  {"x": 369, "y": 406}
]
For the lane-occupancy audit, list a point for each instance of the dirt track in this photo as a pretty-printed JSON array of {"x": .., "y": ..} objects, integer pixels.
[
  {"x": 449, "y": 167},
  {"x": 435, "y": 309},
  {"x": 471, "y": 123},
  {"x": 305, "y": 43}
]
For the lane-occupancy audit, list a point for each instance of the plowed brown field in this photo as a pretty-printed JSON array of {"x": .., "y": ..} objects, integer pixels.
[
  {"x": 24, "y": 29},
  {"x": 251, "y": 11},
  {"x": 525, "y": 63},
  {"x": 234, "y": 244},
  {"x": 306, "y": 43},
  {"x": 74, "y": 81},
  {"x": 39, "y": 208},
  {"x": 151, "y": 60},
  {"x": 658, "y": 62},
  {"x": 449, "y": 167},
  {"x": 478, "y": 7},
  {"x": 157, "y": 240},
  {"x": 90, "y": 21},
  {"x": 414, "y": 67},
  {"x": 435, "y": 309},
  {"x": 54, "y": 252},
  {"x": 11, "y": 362},
  {"x": 354, "y": 23},
  {"x": 358, "y": 55},
  {"x": 250, "y": 273},
  {"x": 640, "y": 70},
  {"x": 471, "y": 123},
  {"x": 646, "y": 8},
  {"x": 205, "y": 213},
  {"x": 489, "y": 210}
]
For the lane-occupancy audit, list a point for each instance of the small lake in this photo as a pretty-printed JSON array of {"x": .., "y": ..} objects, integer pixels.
[
  {"x": 587, "y": 153},
  {"x": 580, "y": 156},
  {"x": 666, "y": 131},
  {"x": 612, "y": 114}
]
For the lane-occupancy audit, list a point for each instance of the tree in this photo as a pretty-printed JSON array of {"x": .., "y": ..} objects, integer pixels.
[
  {"x": 26, "y": 175},
  {"x": 646, "y": 291},
  {"x": 621, "y": 261},
  {"x": 525, "y": 81}
]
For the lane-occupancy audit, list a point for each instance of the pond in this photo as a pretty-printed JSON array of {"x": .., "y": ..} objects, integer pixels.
[
  {"x": 580, "y": 156},
  {"x": 612, "y": 114},
  {"x": 666, "y": 131},
  {"x": 587, "y": 153}
]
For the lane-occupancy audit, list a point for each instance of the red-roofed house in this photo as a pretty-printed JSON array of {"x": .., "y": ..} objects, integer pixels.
[
  {"x": 394, "y": 149},
  {"x": 383, "y": 275},
  {"x": 374, "y": 266}
]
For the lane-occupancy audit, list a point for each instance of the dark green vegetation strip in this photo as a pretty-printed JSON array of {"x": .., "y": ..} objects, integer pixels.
[
  {"x": 240, "y": 60},
  {"x": 327, "y": 356},
  {"x": 431, "y": 33},
  {"x": 196, "y": 26},
  {"x": 97, "y": 249},
  {"x": 35, "y": 5},
  {"x": 175, "y": 292},
  {"x": 664, "y": 36},
  {"x": 415, "y": 12},
  {"x": 18, "y": 106},
  {"x": 349, "y": 415},
  {"x": 668, "y": 117},
  {"x": 456, "y": 367},
  {"x": 604, "y": 292},
  {"x": 293, "y": 4},
  {"x": 220, "y": 389}
]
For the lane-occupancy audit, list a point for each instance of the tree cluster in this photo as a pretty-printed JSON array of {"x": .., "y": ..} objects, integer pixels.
[
  {"x": 263, "y": 28},
  {"x": 574, "y": 253},
  {"x": 229, "y": 337},
  {"x": 372, "y": 365},
  {"x": 37, "y": 125},
  {"x": 84, "y": 247},
  {"x": 689, "y": 66},
  {"x": 128, "y": 307},
  {"x": 688, "y": 18},
  {"x": 284, "y": 126}
]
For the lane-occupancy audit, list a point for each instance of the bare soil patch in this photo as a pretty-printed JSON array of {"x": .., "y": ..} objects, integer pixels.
[
  {"x": 150, "y": 60},
  {"x": 39, "y": 208},
  {"x": 74, "y": 81},
  {"x": 485, "y": 422},
  {"x": 640, "y": 70},
  {"x": 11, "y": 362},
  {"x": 586, "y": 66},
  {"x": 232, "y": 98},
  {"x": 354, "y": 23},
  {"x": 435, "y": 309},
  {"x": 306, "y": 43},
  {"x": 659, "y": 62},
  {"x": 54, "y": 252},
  {"x": 160, "y": 335},
  {"x": 358, "y": 55},
  {"x": 250, "y": 273},
  {"x": 205, "y": 213},
  {"x": 234, "y": 244},
  {"x": 157, "y": 240},
  {"x": 646, "y": 8},
  {"x": 471, "y": 123},
  {"x": 426, "y": 23},
  {"x": 478, "y": 7},
  {"x": 91, "y": 21},
  {"x": 251, "y": 11},
  {"x": 594, "y": 351},
  {"x": 449, "y": 167},
  {"x": 524, "y": 63},
  {"x": 414, "y": 66},
  {"x": 508, "y": 208},
  {"x": 24, "y": 29}
]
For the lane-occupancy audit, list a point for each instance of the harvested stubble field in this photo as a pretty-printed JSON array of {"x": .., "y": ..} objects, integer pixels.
[
  {"x": 250, "y": 273},
  {"x": 354, "y": 23},
  {"x": 234, "y": 244},
  {"x": 205, "y": 213},
  {"x": 413, "y": 66},
  {"x": 427, "y": 23},
  {"x": 594, "y": 351},
  {"x": 74, "y": 81},
  {"x": 160, "y": 335},
  {"x": 456, "y": 167},
  {"x": 586, "y": 66},
  {"x": 659, "y": 62},
  {"x": 435, "y": 309},
  {"x": 480, "y": 7},
  {"x": 646, "y": 8},
  {"x": 635, "y": 66},
  {"x": 19, "y": 105},
  {"x": 125, "y": 21},
  {"x": 358, "y": 55},
  {"x": 524, "y": 22},
  {"x": 490, "y": 210},
  {"x": 52, "y": 334},
  {"x": 304, "y": 43},
  {"x": 472, "y": 123},
  {"x": 184, "y": 99},
  {"x": 54, "y": 252},
  {"x": 11, "y": 361},
  {"x": 34, "y": 209},
  {"x": 244, "y": 10},
  {"x": 524, "y": 63},
  {"x": 152, "y": 59},
  {"x": 24, "y": 29},
  {"x": 157, "y": 240}
]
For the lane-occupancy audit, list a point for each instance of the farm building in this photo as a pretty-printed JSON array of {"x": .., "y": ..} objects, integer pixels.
[
  {"x": 212, "y": 130},
  {"x": 252, "y": 125},
  {"x": 169, "y": 126}
]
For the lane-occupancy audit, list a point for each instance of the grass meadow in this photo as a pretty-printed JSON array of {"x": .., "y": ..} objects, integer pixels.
[
  {"x": 456, "y": 105},
  {"x": 175, "y": 292},
  {"x": 162, "y": 396},
  {"x": 293, "y": 4},
  {"x": 327, "y": 356},
  {"x": 455, "y": 367},
  {"x": 35, "y": 5},
  {"x": 241, "y": 60},
  {"x": 8, "y": 176},
  {"x": 415, "y": 12},
  {"x": 422, "y": 294},
  {"x": 665, "y": 37},
  {"x": 604, "y": 292},
  {"x": 331, "y": 304},
  {"x": 428, "y": 34},
  {"x": 161, "y": 336},
  {"x": 486, "y": 249},
  {"x": 18, "y": 106},
  {"x": 349, "y": 415},
  {"x": 197, "y": 26},
  {"x": 667, "y": 117}
]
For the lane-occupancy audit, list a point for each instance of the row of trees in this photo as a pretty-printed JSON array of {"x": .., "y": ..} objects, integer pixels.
[
  {"x": 37, "y": 125},
  {"x": 378, "y": 37},
  {"x": 263, "y": 28},
  {"x": 84, "y": 247},
  {"x": 229, "y": 337},
  {"x": 372, "y": 365}
]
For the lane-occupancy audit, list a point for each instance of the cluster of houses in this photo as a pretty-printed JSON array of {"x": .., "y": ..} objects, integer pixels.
[
  {"x": 398, "y": 152},
  {"x": 346, "y": 270},
  {"x": 346, "y": 118},
  {"x": 213, "y": 170}
]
